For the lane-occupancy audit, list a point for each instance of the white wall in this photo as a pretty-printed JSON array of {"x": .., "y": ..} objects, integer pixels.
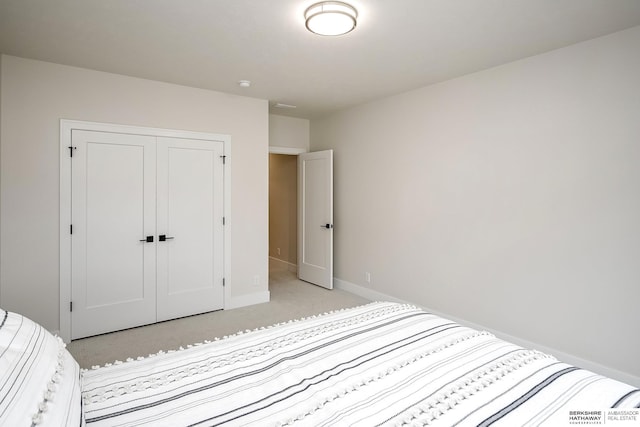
[
  {"x": 36, "y": 95},
  {"x": 288, "y": 132},
  {"x": 509, "y": 198}
]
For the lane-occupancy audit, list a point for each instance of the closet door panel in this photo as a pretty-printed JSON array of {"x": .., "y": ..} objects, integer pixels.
[
  {"x": 115, "y": 218},
  {"x": 189, "y": 215},
  {"x": 113, "y": 208}
]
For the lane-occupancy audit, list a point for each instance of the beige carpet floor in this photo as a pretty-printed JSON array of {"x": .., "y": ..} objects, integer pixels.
[{"x": 290, "y": 299}]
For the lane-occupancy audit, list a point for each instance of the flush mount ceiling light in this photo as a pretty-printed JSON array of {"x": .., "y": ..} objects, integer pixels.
[{"x": 330, "y": 18}]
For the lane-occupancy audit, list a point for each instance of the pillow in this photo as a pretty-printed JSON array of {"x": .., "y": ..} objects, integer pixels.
[{"x": 39, "y": 379}]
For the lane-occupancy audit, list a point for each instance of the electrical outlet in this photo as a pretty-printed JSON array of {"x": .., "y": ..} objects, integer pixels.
[
  {"x": 256, "y": 280},
  {"x": 367, "y": 277},
  {"x": 278, "y": 250}
]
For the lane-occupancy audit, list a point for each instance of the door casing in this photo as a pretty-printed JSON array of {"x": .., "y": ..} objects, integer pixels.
[{"x": 66, "y": 128}]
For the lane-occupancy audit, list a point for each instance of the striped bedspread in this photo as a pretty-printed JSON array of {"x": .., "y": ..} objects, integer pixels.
[
  {"x": 378, "y": 364},
  {"x": 39, "y": 379}
]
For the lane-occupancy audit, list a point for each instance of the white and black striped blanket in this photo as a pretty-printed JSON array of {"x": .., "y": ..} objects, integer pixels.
[
  {"x": 379, "y": 364},
  {"x": 39, "y": 379}
]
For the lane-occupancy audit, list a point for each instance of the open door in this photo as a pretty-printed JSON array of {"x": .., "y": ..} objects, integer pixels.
[{"x": 315, "y": 218}]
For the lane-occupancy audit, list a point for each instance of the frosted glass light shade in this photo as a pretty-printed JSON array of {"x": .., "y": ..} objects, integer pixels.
[{"x": 330, "y": 18}]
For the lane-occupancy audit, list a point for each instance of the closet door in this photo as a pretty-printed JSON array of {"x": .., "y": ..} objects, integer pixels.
[
  {"x": 190, "y": 217},
  {"x": 113, "y": 272}
]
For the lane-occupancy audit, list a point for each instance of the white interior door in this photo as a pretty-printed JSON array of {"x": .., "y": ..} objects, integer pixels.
[
  {"x": 190, "y": 216},
  {"x": 315, "y": 218},
  {"x": 113, "y": 283}
]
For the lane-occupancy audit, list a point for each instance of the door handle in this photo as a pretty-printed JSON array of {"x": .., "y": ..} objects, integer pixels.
[
  {"x": 327, "y": 226},
  {"x": 163, "y": 237},
  {"x": 148, "y": 239}
]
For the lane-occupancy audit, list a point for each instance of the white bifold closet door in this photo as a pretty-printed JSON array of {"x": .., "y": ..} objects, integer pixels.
[{"x": 147, "y": 234}]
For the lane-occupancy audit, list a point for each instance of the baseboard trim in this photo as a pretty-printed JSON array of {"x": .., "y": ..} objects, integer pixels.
[
  {"x": 285, "y": 264},
  {"x": 248, "y": 299},
  {"x": 560, "y": 355},
  {"x": 364, "y": 292}
]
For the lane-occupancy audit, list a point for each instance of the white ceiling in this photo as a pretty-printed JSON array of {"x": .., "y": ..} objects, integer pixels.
[{"x": 398, "y": 45}]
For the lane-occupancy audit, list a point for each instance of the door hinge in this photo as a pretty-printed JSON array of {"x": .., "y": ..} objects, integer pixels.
[
  {"x": 71, "y": 306},
  {"x": 224, "y": 159},
  {"x": 223, "y": 284},
  {"x": 70, "y": 228},
  {"x": 224, "y": 221},
  {"x": 71, "y": 148}
]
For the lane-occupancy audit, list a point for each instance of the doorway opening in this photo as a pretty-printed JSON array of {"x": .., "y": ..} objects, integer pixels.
[
  {"x": 301, "y": 216},
  {"x": 283, "y": 213}
]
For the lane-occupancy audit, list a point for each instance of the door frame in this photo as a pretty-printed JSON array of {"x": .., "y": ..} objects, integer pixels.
[
  {"x": 66, "y": 128},
  {"x": 286, "y": 151}
]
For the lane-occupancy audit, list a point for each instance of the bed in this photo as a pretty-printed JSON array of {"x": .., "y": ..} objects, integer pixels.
[{"x": 377, "y": 364}]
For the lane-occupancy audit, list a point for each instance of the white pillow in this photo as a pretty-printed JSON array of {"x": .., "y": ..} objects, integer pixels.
[{"x": 39, "y": 379}]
